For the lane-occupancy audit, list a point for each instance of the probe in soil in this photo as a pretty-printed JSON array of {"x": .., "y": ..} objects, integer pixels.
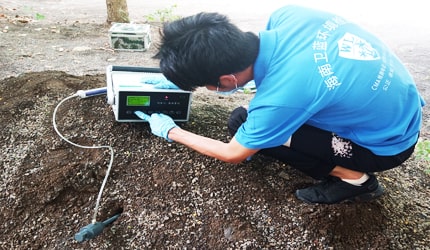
[
  {"x": 92, "y": 230},
  {"x": 95, "y": 228}
]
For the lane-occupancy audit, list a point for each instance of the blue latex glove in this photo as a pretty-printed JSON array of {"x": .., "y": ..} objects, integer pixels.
[
  {"x": 159, "y": 82},
  {"x": 160, "y": 124}
]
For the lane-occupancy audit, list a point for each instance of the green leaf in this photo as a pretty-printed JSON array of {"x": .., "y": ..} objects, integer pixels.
[{"x": 39, "y": 16}]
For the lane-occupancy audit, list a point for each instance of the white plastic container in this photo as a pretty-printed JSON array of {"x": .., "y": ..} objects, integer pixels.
[{"x": 130, "y": 36}]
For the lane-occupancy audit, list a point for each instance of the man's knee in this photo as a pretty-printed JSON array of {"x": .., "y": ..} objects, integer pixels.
[{"x": 237, "y": 117}]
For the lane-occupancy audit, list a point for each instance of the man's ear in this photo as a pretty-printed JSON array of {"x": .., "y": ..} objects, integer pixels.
[{"x": 228, "y": 81}]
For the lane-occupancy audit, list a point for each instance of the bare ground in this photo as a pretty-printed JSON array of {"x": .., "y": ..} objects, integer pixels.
[{"x": 169, "y": 196}]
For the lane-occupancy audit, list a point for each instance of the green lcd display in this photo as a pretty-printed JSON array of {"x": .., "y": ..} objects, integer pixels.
[{"x": 138, "y": 100}]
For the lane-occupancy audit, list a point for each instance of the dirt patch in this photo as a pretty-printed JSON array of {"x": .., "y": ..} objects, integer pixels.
[{"x": 169, "y": 196}]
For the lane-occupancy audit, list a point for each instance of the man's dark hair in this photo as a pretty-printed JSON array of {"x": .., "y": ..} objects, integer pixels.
[{"x": 196, "y": 50}]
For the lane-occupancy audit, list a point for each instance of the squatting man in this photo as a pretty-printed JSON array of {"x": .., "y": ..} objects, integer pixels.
[{"x": 332, "y": 100}]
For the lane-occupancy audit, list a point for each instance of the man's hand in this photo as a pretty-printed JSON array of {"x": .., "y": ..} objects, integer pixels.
[
  {"x": 159, "y": 82},
  {"x": 160, "y": 124}
]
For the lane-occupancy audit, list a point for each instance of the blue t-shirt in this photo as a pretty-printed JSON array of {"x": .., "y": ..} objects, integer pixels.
[{"x": 319, "y": 69}]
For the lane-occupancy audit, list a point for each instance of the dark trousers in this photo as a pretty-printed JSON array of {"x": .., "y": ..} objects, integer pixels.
[{"x": 316, "y": 152}]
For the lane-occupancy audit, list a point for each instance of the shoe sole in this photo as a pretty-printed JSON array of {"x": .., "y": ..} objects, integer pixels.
[
  {"x": 367, "y": 196},
  {"x": 359, "y": 198}
]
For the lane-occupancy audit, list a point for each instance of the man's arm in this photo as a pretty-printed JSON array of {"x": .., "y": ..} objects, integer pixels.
[
  {"x": 163, "y": 125},
  {"x": 232, "y": 152}
]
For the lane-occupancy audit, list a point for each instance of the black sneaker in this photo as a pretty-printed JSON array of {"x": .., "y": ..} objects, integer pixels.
[{"x": 334, "y": 190}]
